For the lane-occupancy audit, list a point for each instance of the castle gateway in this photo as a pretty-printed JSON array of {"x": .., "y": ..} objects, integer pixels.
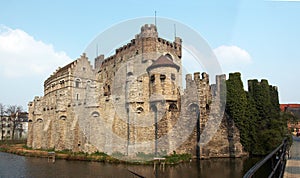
[{"x": 131, "y": 102}]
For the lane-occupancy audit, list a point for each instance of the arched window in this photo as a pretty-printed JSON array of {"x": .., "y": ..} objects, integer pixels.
[
  {"x": 77, "y": 83},
  {"x": 95, "y": 114},
  {"x": 40, "y": 120},
  {"x": 88, "y": 82},
  {"x": 169, "y": 56},
  {"x": 173, "y": 107},
  {"x": 139, "y": 110},
  {"x": 63, "y": 118},
  {"x": 129, "y": 74},
  {"x": 107, "y": 90}
]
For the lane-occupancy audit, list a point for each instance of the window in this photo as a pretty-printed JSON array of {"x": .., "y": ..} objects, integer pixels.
[
  {"x": 107, "y": 90},
  {"x": 95, "y": 114},
  {"x": 88, "y": 83},
  {"x": 152, "y": 78},
  {"x": 169, "y": 56},
  {"x": 173, "y": 107},
  {"x": 173, "y": 76},
  {"x": 39, "y": 120},
  {"x": 63, "y": 118},
  {"x": 77, "y": 96},
  {"x": 139, "y": 110},
  {"x": 162, "y": 77},
  {"x": 77, "y": 83}
]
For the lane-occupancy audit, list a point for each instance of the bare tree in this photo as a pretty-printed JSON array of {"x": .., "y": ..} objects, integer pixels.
[
  {"x": 13, "y": 111},
  {"x": 2, "y": 110}
]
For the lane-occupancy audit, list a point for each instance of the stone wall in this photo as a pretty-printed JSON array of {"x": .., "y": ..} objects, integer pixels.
[{"x": 131, "y": 102}]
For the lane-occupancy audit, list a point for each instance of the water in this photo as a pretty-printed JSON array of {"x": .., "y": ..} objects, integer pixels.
[{"x": 20, "y": 166}]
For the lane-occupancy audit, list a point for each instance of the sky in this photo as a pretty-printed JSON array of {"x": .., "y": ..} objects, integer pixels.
[{"x": 258, "y": 38}]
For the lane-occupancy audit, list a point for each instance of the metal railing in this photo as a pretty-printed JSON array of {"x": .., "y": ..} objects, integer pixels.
[{"x": 277, "y": 158}]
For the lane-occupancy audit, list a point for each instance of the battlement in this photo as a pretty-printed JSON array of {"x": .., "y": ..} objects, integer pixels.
[
  {"x": 220, "y": 78},
  {"x": 148, "y": 30},
  {"x": 146, "y": 41},
  {"x": 204, "y": 77}
]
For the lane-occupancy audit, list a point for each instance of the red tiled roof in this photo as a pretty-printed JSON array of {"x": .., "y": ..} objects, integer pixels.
[{"x": 283, "y": 106}]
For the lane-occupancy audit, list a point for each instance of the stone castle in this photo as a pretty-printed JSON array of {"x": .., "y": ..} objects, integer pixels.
[{"x": 133, "y": 101}]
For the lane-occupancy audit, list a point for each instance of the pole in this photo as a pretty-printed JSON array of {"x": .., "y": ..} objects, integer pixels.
[{"x": 155, "y": 18}]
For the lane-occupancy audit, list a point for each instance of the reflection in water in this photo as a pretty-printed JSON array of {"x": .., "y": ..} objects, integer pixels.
[{"x": 19, "y": 166}]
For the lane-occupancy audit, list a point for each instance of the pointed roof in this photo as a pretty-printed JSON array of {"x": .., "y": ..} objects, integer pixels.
[{"x": 163, "y": 61}]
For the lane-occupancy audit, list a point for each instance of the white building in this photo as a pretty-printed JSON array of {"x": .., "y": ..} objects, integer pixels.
[{"x": 16, "y": 124}]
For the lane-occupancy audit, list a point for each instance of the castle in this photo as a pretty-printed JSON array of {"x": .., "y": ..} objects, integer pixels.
[{"x": 133, "y": 101}]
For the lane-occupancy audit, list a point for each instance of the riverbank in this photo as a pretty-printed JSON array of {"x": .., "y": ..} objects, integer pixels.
[{"x": 141, "y": 158}]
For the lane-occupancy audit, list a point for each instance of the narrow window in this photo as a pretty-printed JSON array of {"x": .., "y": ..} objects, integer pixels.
[
  {"x": 173, "y": 76},
  {"x": 152, "y": 78},
  {"x": 77, "y": 83}
]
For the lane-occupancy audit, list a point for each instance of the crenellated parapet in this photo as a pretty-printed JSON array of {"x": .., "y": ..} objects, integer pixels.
[{"x": 147, "y": 41}]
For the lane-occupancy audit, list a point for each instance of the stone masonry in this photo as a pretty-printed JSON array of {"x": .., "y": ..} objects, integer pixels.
[{"x": 133, "y": 101}]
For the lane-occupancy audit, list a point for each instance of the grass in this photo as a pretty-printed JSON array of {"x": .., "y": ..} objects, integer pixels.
[
  {"x": 115, "y": 157},
  {"x": 178, "y": 158}
]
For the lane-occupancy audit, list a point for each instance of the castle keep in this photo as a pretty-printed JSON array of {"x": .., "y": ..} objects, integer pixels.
[{"x": 133, "y": 101}]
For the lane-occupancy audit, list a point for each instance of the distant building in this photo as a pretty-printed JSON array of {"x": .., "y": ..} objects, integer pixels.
[
  {"x": 294, "y": 109},
  {"x": 16, "y": 124}
]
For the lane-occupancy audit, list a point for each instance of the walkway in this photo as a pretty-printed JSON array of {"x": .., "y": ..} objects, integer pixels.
[{"x": 292, "y": 169}]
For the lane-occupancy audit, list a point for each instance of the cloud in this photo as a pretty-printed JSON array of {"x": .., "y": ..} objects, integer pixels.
[
  {"x": 23, "y": 56},
  {"x": 232, "y": 57}
]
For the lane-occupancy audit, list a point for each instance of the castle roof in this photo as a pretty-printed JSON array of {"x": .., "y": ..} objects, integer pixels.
[
  {"x": 60, "y": 71},
  {"x": 163, "y": 61}
]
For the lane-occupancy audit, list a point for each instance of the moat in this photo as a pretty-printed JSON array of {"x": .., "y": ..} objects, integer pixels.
[{"x": 19, "y": 166}]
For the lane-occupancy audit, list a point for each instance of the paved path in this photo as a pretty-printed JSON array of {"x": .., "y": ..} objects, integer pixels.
[{"x": 292, "y": 168}]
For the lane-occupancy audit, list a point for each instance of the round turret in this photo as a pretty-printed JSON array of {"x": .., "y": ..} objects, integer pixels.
[{"x": 163, "y": 75}]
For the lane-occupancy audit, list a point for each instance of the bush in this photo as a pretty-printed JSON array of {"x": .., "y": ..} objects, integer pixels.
[{"x": 177, "y": 158}]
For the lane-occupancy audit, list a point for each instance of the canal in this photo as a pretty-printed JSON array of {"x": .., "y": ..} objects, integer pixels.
[{"x": 19, "y": 166}]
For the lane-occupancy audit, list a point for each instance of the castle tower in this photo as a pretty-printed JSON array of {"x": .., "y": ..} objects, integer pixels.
[
  {"x": 164, "y": 99},
  {"x": 164, "y": 80}
]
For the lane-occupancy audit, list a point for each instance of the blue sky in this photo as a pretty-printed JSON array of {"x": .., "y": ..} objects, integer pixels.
[{"x": 258, "y": 38}]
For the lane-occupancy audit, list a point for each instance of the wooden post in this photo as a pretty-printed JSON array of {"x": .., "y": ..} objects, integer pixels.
[
  {"x": 161, "y": 161},
  {"x": 51, "y": 156}
]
